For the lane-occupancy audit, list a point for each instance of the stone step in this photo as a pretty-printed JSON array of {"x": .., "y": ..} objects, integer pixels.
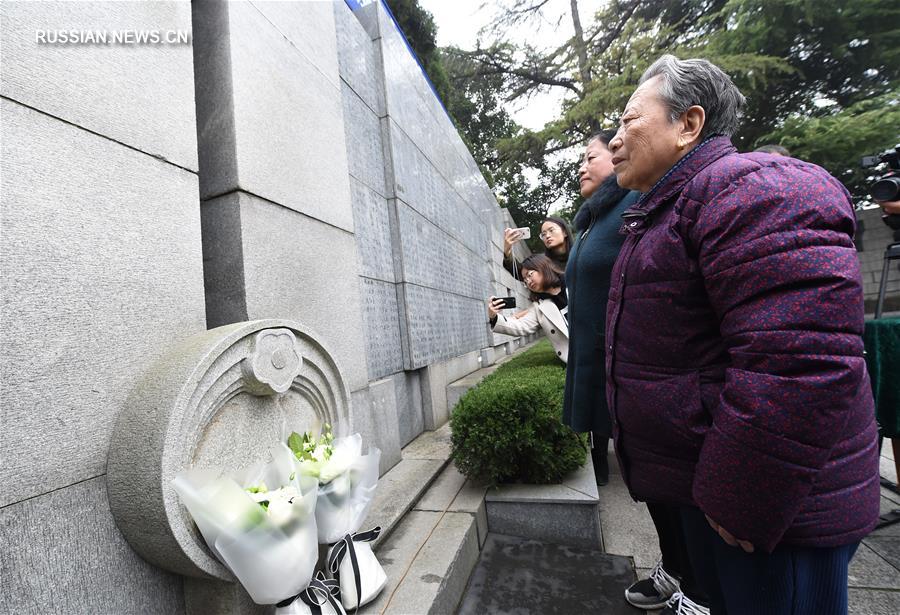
[
  {"x": 432, "y": 551},
  {"x": 402, "y": 486},
  {"x": 534, "y": 511}
]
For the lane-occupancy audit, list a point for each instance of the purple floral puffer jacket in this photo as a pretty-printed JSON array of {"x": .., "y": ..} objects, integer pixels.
[{"x": 736, "y": 378}]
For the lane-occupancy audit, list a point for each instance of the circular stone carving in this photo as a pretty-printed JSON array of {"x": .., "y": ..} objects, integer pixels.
[{"x": 221, "y": 397}]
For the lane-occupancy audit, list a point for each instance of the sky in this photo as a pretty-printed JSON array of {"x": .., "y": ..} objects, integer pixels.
[{"x": 458, "y": 23}]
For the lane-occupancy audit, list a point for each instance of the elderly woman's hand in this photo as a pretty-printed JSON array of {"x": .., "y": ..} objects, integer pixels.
[
  {"x": 890, "y": 207},
  {"x": 728, "y": 537},
  {"x": 495, "y": 305}
]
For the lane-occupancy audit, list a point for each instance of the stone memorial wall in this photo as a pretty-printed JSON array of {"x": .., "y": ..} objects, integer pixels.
[
  {"x": 427, "y": 225},
  {"x": 288, "y": 164}
]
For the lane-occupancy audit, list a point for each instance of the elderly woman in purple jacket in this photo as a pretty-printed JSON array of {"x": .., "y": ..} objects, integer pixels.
[{"x": 736, "y": 380}]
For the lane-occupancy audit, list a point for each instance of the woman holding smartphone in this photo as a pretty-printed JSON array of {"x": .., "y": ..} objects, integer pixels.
[
  {"x": 555, "y": 235},
  {"x": 548, "y": 308}
]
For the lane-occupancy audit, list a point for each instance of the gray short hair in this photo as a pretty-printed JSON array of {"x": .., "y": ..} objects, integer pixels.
[{"x": 698, "y": 82}]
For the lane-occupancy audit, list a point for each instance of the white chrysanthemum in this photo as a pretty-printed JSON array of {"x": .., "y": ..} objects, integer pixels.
[{"x": 281, "y": 503}]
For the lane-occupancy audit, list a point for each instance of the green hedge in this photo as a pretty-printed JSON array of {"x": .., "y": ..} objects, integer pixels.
[{"x": 509, "y": 429}]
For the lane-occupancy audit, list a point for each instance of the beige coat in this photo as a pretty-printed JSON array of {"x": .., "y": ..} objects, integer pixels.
[{"x": 544, "y": 315}]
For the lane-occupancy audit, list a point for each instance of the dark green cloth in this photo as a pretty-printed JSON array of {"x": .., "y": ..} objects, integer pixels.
[
  {"x": 882, "y": 339},
  {"x": 587, "y": 281}
]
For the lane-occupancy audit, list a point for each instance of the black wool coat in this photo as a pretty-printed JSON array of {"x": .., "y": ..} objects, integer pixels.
[{"x": 590, "y": 264}]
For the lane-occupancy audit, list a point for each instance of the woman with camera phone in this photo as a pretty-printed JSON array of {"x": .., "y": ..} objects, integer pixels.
[
  {"x": 555, "y": 235},
  {"x": 548, "y": 310}
]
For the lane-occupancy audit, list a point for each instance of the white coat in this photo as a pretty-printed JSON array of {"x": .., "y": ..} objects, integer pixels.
[{"x": 544, "y": 315}]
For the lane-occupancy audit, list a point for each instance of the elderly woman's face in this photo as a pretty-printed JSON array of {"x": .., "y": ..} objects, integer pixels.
[{"x": 647, "y": 143}]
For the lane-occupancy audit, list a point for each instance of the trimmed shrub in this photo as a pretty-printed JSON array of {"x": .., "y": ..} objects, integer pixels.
[{"x": 509, "y": 428}]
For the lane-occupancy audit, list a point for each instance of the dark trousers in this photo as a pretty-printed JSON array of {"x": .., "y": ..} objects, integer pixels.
[
  {"x": 789, "y": 581},
  {"x": 673, "y": 546},
  {"x": 599, "y": 448}
]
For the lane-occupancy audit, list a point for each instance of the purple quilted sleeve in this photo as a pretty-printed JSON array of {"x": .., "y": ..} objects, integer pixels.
[{"x": 781, "y": 271}]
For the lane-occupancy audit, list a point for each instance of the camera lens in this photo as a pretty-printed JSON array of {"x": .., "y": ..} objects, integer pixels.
[{"x": 887, "y": 189}]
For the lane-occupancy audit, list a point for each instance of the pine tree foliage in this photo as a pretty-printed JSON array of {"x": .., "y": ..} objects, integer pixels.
[{"x": 822, "y": 77}]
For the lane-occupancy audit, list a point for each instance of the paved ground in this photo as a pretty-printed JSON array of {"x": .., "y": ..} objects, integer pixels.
[
  {"x": 517, "y": 576},
  {"x": 874, "y": 571}
]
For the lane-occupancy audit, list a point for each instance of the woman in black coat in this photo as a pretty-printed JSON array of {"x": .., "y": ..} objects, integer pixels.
[{"x": 590, "y": 263}]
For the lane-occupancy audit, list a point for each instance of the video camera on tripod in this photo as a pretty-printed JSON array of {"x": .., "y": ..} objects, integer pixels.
[{"x": 886, "y": 187}]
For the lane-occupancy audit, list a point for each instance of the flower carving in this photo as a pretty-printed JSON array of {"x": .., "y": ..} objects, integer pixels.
[{"x": 273, "y": 363}]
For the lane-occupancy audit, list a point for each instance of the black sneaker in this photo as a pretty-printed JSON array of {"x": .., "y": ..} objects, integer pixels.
[
  {"x": 679, "y": 604},
  {"x": 654, "y": 592}
]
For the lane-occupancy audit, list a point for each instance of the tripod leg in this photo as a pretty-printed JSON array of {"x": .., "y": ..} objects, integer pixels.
[{"x": 882, "y": 287}]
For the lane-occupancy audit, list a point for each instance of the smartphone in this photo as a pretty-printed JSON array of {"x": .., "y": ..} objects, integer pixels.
[
  {"x": 524, "y": 232},
  {"x": 508, "y": 302}
]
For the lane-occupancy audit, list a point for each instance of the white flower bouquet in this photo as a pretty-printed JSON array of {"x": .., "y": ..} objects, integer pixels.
[
  {"x": 347, "y": 481},
  {"x": 260, "y": 523}
]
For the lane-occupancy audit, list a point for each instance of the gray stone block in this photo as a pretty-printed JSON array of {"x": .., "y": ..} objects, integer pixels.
[
  {"x": 412, "y": 104},
  {"x": 374, "y": 415},
  {"x": 374, "y": 242},
  {"x": 283, "y": 280},
  {"x": 461, "y": 328},
  {"x": 471, "y": 500},
  {"x": 359, "y": 58},
  {"x": 101, "y": 270},
  {"x": 430, "y": 445},
  {"x": 382, "y": 327},
  {"x": 434, "y": 259},
  {"x": 434, "y": 395},
  {"x": 438, "y": 381},
  {"x": 419, "y": 183},
  {"x": 534, "y": 511},
  {"x": 139, "y": 95},
  {"x": 437, "y": 578},
  {"x": 409, "y": 405},
  {"x": 310, "y": 29},
  {"x": 542, "y": 522},
  {"x": 287, "y": 140},
  {"x": 365, "y": 151},
  {"x": 62, "y": 553},
  {"x": 398, "y": 490},
  {"x": 369, "y": 16}
]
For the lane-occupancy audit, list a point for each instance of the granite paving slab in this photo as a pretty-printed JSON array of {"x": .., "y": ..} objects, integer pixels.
[
  {"x": 520, "y": 576},
  {"x": 872, "y": 602},
  {"x": 888, "y": 547},
  {"x": 627, "y": 527},
  {"x": 869, "y": 569}
]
